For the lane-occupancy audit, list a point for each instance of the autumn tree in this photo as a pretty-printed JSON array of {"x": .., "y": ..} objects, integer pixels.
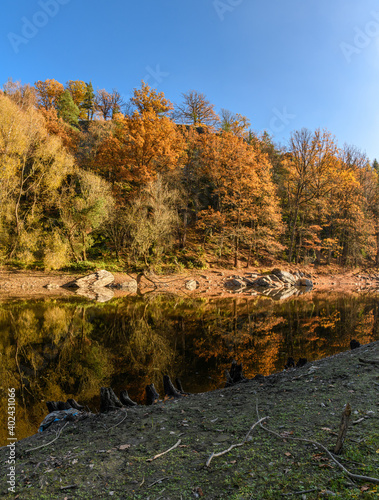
[
  {"x": 85, "y": 203},
  {"x": 48, "y": 93},
  {"x": 196, "y": 110},
  {"x": 78, "y": 91},
  {"x": 23, "y": 95},
  {"x": 311, "y": 165},
  {"x": 142, "y": 146},
  {"x": 235, "y": 123},
  {"x": 245, "y": 208},
  {"x": 33, "y": 166},
  {"x": 149, "y": 100},
  {"x": 108, "y": 104},
  {"x": 89, "y": 101}
]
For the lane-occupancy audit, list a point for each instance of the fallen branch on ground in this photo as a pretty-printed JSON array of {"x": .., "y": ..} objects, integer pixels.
[
  {"x": 164, "y": 453},
  {"x": 50, "y": 442},
  {"x": 158, "y": 481},
  {"x": 213, "y": 455},
  {"x": 319, "y": 445},
  {"x": 119, "y": 423}
]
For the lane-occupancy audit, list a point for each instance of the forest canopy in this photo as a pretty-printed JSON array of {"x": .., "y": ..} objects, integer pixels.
[{"x": 87, "y": 177}]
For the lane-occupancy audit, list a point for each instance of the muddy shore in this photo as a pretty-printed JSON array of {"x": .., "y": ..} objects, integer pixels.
[{"x": 108, "y": 455}]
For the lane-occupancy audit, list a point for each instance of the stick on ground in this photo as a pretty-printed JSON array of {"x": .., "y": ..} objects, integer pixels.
[
  {"x": 164, "y": 453},
  {"x": 214, "y": 455}
]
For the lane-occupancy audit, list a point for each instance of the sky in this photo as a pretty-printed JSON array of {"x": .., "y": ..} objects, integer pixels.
[{"x": 283, "y": 64}]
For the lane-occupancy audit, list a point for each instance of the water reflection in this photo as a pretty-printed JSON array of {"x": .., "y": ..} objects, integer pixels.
[{"x": 58, "y": 349}]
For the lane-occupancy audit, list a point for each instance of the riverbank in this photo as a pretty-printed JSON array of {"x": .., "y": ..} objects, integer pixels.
[
  {"x": 210, "y": 283},
  {"x": 109, "y": 455}
]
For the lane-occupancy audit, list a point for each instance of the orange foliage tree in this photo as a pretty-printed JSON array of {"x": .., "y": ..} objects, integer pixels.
[{"x": 244, "y": 207}]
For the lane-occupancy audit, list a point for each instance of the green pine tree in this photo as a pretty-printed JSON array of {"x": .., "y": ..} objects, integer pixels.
[
  {"x": 67, "y": 109},
  {"x": 89, "y": 101}
]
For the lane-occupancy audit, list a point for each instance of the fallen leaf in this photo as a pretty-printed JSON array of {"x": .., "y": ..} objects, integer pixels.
[
  {"x": 287, "y": 454},
  {"x": 124, "y": 446}
]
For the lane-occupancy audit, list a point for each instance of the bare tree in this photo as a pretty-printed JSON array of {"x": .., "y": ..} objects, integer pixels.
[
  {"x": 196, "y": 110},
  {"x": 107, "y": 104}
]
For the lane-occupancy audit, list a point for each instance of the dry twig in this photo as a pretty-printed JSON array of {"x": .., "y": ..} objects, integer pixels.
[
  {"x": 164, "y": 453},
  {"x": 158, "y": 481},
  {"x": 213, "y": 455},
  {"x": 319, "y": 445},
  {"x": 50, "y": 442},
  {"x": 119, "y": 423}
]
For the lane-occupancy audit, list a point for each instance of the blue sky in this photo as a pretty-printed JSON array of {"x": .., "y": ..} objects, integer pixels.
[{"x": 284, "y": 64}]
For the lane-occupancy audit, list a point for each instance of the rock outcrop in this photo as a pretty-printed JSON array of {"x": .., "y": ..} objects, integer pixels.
[{"x": 96, "y": 280}]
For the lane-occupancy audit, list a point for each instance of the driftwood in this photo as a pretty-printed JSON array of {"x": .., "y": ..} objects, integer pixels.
[
  {"x": 125, "y": 399},
  {"x": 343, "y": 429},
  {"x": 169, "y": 388},
  {"x": 235, "y": 375},
  {"x": 151, "y": 394},
  {"x": 108, "y": 400}
]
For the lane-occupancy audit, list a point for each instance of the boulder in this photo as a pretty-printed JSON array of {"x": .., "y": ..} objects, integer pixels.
[
  {"x": 191, "y": 285},
  {"x": 96, "y": 280},
  {"x": 284, "y": 276},
  {"x": 304, "y": 282}
]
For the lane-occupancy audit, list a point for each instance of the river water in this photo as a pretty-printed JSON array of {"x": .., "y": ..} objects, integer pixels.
[{"x": 57, "y": 349}]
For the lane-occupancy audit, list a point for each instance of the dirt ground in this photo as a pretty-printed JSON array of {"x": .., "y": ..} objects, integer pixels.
[
  {"x": 32, "y": 284},
  {"x": 107, "y": 455}
]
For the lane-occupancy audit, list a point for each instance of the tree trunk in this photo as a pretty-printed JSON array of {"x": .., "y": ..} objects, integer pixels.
[{"x": 293, "y": 232}]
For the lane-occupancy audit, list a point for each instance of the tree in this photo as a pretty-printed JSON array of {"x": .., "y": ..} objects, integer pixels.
[
  {"x": 108, "y": 104},
  {"x": 196, "y": 110},
  {"x": 78, "y": 91},
  {"x": 245, "y": 207},
  {"x": 142, "y": 146},
  {"x": 235, "y": 123},
  {"x": 67, "y": 109},
  {"x": 311, "y": 165},
  {"x": 23, "y": 95},
  {"x": 84, "y": 205},
  {"x": 89, "y": 101},
  {"x": 48, "y": 93},
  {"x": 151, "y": 221},
  {"x": 149, "y": 100},
  {"x": 33, "y": 167}
]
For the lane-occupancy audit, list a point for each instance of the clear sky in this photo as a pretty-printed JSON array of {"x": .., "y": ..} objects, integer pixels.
[{"x": 284, "y": 64}]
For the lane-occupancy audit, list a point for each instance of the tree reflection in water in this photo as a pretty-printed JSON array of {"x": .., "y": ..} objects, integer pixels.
[{"x": 58, "y": 349}]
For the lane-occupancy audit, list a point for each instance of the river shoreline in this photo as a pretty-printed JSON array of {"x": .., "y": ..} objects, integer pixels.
[{"x": 210, "y": 282}]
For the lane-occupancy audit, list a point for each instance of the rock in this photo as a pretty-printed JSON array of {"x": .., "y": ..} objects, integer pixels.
[
  {"x": 128, "y": 286},
  {"x": 191, "y": 285},
  {"x": 304, "y": 282},
  {"x": 52, "y": 286},
  {"x": 284, "y": 276},
  {"x": 234, "y": 283},
  {"x": 96, "y": 280}
]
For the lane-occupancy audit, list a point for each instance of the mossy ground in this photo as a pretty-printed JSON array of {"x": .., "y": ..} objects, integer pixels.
[{"x": 86, "y": 461}]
